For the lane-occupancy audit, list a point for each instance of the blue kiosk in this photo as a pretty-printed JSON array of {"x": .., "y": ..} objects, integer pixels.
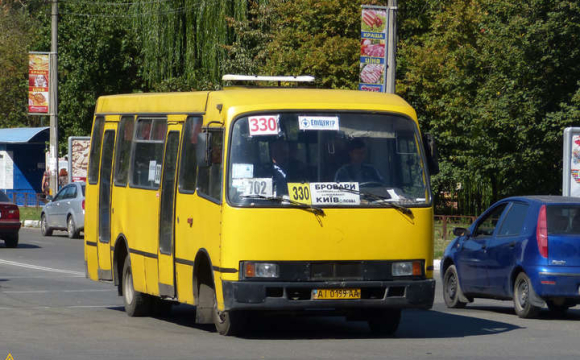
[{"x": 22, "y": 163}]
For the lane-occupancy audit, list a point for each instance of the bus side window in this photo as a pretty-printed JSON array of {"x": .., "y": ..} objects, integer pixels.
[
  {"x": 188, "y": 165},
  {"x": 147, "y": 159},
  {"x": 124, "y": 141},
  {"x": 209, "y": 179},
  {"x": 95, "y": 155}
]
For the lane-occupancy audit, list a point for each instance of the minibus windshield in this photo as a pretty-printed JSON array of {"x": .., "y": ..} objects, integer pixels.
[{"x": 326, "y": 160}]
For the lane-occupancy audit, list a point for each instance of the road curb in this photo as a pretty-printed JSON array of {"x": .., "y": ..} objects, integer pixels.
[{"x": 31, "y": 223}]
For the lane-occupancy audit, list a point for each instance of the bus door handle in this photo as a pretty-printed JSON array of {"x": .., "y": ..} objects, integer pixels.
[{"x": 190, "y": 221}]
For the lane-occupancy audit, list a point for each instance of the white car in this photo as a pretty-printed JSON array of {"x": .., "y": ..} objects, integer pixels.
[{"x": 66, "y": 211}]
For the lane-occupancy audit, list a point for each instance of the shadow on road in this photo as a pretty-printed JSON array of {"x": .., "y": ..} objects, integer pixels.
[
  {"x": 22, "y": 246},
  {"x": 414, "y": 324},
  {"x": 572, "y": 314}
]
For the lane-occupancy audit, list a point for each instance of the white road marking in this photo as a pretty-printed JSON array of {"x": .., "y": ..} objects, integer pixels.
[
  {"x": 60, "y": 307},
  {"x": 54, "y": 291},
  {"x": 41, "y": 268}
]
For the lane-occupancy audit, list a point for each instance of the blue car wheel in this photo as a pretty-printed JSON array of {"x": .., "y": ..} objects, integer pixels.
[{"x": 451, "y": 289}]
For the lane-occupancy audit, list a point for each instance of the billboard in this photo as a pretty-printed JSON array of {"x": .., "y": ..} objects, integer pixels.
[
  {"x": 571, "y": 165},
  {"x": 38, "y": 83},
  {"x": 373, "y": 45},
  {"x": 78, "y": 154}
]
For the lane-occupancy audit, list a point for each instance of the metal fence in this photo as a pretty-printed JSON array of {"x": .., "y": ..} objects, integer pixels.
[
  {"x": 444, "y": 225},
  {"x": 27, "y": 199}
]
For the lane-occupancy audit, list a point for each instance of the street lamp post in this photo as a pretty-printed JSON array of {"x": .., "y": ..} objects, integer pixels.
[{"x": 53, "y": 151}]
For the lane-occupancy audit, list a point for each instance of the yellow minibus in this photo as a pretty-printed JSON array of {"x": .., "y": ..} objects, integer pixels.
[{"x": 249, "y": 200}]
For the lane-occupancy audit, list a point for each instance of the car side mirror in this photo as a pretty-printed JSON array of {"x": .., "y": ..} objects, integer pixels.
[
  {"x": 49, "y": 197},
  {"x": 459, "y": 231},
  {"x": 203, "y": 149},
  {"x": 431, "y": 152}
]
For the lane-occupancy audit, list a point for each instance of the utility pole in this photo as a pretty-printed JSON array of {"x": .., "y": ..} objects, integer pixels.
[
  {"x": 53, "y": 151},
  {"x": 391, "y": 46}
]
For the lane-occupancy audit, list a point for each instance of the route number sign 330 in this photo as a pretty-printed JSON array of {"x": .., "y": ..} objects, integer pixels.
[
  {"x": 300, "y": 193},
  {"x": 263, "y": 125}
]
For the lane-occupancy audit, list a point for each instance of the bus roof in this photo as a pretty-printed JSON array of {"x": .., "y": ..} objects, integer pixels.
[{"x": 237, "y": 100}]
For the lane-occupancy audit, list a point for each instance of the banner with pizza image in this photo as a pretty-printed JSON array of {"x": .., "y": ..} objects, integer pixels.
[
  {"x": 373, "y": 55},
  {"x": 38, "y": 80}
]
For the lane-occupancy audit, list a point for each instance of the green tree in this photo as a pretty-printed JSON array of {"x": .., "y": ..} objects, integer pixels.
[
  {"x": 16, "y": 35},
  {"x": 183, "y": 41},
  {"x": 319, "y": 38},
  {"x": 97, "y": 55},
  {"x": 494, "y": 81}
]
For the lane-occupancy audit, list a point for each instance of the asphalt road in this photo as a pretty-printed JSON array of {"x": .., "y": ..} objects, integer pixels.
[{"x": 48, "y": 310}]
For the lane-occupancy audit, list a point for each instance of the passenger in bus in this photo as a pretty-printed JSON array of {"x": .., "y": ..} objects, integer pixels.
[
  {"x": 356, "y": 170},
  {"x": 284, "y": 167}
]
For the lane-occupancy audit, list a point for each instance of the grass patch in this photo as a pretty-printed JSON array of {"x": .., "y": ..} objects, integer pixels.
[{"x": 29, "y": 213}]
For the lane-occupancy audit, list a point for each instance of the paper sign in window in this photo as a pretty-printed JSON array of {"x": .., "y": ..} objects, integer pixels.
[{"x": 264, "y": 125}]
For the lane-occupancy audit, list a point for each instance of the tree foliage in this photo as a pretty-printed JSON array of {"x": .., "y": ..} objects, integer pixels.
[
  {"x": 183, "y": 41},
  {"x": 97, "y": 55},
  {"x": 16, "y": 34},
  {"x": 494, "y": 81}
]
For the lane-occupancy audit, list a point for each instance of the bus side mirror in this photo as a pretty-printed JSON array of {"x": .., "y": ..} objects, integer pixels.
[
  {"x": 431, "y": 152},
  {"x": 203, "y": 149}
]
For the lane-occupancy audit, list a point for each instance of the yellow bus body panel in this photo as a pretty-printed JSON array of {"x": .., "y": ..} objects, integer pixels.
[
  {"x": 230, "y": 235},
  {"x": 342, "y": 234}
]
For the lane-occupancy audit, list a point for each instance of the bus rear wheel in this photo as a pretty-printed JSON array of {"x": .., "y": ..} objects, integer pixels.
[{"x": 136, "y": 303}]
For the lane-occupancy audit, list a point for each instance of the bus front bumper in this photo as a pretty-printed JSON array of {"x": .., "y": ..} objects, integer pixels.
[{"x": 293, "y": 296}]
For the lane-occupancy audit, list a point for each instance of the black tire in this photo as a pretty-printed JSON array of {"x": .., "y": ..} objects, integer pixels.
[
  {"x": 227, "y": 323},
  {"x": 522, "y": 290},
  {"x": 451, "y": 289},
  {"x": 72, "y": 231},
  {"x": 11, "y": 240},
  {"x": 385, "y": 322},
  {"x": 45, "y": 230},
  {"x": 136, "y": 303}
]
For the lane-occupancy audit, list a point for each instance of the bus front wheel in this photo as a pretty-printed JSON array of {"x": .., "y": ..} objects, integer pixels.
[
  {"x": 227, "y": 323},
  {"x": 385, "y": 322}
]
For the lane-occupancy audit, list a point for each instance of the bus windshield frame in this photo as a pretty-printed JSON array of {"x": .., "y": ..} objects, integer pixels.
[{"x": 340, "y": 158}]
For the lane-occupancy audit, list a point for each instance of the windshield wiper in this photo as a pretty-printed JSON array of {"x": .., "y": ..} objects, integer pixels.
[
  {"x": 381, "y": 200},
  {"x": 314, "y": 209}
]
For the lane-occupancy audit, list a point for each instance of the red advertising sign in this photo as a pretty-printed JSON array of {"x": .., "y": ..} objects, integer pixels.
[
  {"x": 38, "y": 75},
  {"x": 372, "y": 48}
]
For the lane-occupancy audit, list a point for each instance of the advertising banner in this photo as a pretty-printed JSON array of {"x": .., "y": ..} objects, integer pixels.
[
  {"x": 373, "y": 54},
  {"x": 38, "y": 78},
  {"x": 78, "y": 147}
]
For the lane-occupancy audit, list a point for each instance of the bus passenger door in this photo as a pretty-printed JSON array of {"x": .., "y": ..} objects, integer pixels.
[
  {"x": 104, "y": 243},
  {"x": 167, "y": 214}
]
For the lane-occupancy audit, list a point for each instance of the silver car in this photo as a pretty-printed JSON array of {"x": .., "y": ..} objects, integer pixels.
[{"x": 66, "y": 211}]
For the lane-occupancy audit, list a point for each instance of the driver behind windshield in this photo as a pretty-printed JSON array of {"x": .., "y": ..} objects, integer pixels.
[{"x": 356, "y": 170}]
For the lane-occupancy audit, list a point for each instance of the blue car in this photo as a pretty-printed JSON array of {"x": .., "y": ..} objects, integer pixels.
[{"x": 525, "y": 249}]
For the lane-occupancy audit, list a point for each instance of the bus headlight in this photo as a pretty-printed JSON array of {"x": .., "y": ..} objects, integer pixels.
[
  {"x": 407, "y": 268},
  {"x": 260, "y": 270}
]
